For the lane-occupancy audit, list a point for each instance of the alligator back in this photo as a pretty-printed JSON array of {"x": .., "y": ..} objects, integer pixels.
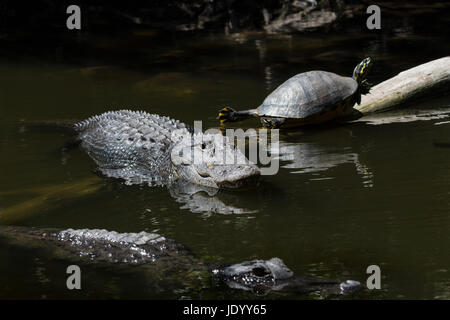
[
  {"x": 132, "y": 145},
  {"x": 161, "y": 258}
]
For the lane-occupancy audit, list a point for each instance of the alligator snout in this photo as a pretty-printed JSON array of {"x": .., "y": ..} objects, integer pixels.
[{"x": 235, "y": 176}]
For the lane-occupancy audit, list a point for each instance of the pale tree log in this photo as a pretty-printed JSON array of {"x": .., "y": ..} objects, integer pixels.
[{"x": 426, "y": 79}]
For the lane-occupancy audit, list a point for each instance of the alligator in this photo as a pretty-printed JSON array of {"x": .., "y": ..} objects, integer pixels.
[
  {"x": 139, "y": 147},
  {"x": 166, "y": 259}
]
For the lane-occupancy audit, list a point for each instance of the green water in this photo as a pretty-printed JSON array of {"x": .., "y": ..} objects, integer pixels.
[{"x": 345, "y": 197}]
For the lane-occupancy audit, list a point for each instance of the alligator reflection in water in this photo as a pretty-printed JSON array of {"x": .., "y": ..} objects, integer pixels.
[
  {"x": 165, "y": 260},
  {"x": 199, "y": 199}
]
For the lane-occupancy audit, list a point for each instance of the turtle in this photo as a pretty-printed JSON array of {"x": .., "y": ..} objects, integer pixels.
[{"x": 311, "y": 97}]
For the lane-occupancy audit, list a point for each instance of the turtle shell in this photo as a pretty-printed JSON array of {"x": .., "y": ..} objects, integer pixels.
[{"x": 307, "y": 94}]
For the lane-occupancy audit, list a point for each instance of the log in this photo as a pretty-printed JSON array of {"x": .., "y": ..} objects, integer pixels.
[
  {"x": 45, "y": 198},
  {"x": 425, "y": 79}
]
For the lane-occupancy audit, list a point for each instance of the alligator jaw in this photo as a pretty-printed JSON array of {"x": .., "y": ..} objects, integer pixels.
[
  {"x": 235, "y": 177},
  {"x": 241, "y": 178}
]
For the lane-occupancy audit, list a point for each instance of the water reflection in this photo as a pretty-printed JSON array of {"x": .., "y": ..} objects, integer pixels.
[
  {"x": 199, "y": 199},
  {"x": 194, "y": 198},
  {"x": 408, "y": 115},
  {"x": 310, "y": 157},
  {"x": 261, "y": 46},
  {"x": 268, "y": 77},
  {"x": 262, "y": 49},
  {"x": 295, "y": 150}
]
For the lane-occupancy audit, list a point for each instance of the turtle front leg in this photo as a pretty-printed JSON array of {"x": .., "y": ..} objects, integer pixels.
[
  {"x": 364, "y": 87},
  {"x": 272, "y": 123}
]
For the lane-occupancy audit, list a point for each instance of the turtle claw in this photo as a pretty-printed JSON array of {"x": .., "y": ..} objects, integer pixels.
[
  {"x": 226, "y": 114},
  {"x": 365, "y": 87}
]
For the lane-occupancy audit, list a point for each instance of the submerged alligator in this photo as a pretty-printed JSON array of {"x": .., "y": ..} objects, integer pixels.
[
  {"x": 166, "y": 259},
  {"x": 147, "y": 148}
]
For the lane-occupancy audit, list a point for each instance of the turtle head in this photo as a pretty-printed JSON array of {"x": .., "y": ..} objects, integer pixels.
[{"x": 362, "y": 70}]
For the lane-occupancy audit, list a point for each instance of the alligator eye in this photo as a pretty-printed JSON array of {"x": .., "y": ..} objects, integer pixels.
[
  {"x": 260, "y": 272},
  {"x": 204, "y": 175}
]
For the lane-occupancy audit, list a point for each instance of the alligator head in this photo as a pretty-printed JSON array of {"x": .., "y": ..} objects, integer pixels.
[
  {"x": 211, "y": 160},
  {"x": 263, "y": 276},
  {"x": 259, "y": 276}
]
